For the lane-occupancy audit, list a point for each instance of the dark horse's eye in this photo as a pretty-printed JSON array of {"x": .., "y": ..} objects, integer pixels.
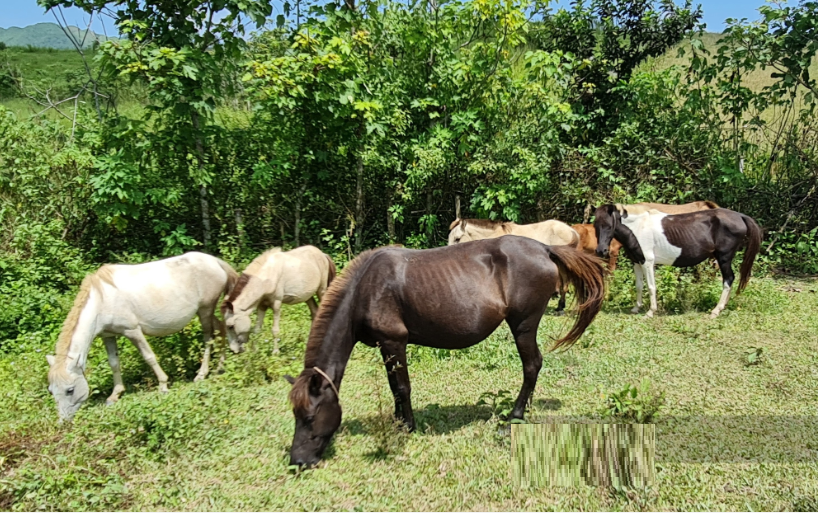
[{"x": 309, "y": 420}]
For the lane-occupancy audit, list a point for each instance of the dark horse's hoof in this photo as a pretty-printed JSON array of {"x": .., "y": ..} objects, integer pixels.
[{"x": 559, "y": 313}]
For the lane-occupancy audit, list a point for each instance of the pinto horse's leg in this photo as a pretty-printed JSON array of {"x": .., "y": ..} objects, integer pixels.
[
  {"x": 525, "y": 336},
  {"x": 113, "y": 361},
  {"x": 637, "y": 273},
  {"x": 725, "y": 262},
  {"x": 648, "y": 271},
  {"x": 394, "y": 356},
  {"x": 138, "y": 338},
  {"x": 206, "y": 318}
]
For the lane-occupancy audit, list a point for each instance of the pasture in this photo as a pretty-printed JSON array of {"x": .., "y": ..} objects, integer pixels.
[{"x": 736, "y": 430}]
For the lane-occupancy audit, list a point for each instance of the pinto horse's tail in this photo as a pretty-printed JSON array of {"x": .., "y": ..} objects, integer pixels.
[
  {"x": 587, "y": 276},
  {"x": 753, "y": 246}
]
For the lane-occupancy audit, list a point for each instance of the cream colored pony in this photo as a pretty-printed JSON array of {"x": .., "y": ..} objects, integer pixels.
[
  {"x": 551, "y": 233},
  {"x": 273, "y": 278},
  {"x": 155, "y": 299}
]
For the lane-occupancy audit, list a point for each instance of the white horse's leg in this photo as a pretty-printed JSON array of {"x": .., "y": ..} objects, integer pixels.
[
  {"x": 206, "y": 318},
  {"x": 276, "y": 319},
  {"x": 222, "y": 355},
  {"x": 313, "y": 307},
  {"x": 650, "y": 277},
  {"x": 637, "y": 272},
  {"x": 113, "y": 361},
  {"x": 260, "y": 311},
  {"x": 138, "y": 338}
]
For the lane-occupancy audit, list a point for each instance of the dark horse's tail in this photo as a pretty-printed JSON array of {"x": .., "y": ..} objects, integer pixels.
[
  {"x": 753, "y": 247},
  {"x": 587, "y": 276}
]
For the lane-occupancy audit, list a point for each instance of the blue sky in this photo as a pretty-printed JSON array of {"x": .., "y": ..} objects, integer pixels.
[{"x": 20, "y": 13}]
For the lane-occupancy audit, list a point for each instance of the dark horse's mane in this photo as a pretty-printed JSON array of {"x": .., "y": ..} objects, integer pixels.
[
  {"x": 329, "y": 303},
  {"x": 299, "y": 393}
]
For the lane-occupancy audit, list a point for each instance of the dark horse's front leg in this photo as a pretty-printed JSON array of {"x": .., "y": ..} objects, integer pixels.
[
  {"x": 525, "y": 336},
  {"x": 394, "y": 358}
]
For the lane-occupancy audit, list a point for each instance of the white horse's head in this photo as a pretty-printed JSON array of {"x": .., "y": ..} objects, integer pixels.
[
  {"x": 68, "y": 385},
  {"x": 238, "y": 324},
  {"x": 458, "y": 233}
]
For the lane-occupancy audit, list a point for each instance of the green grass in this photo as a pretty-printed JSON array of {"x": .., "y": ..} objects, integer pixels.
[{"x": 730, "y": 435}]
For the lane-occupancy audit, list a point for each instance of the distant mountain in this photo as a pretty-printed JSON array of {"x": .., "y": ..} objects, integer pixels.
[{"x": 47, "y": 35}]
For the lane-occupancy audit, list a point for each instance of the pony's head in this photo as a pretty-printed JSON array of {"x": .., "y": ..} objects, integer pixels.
[
  {"x": 607, "y": 218},
  {"x": 608, "y": 225},
  {"x": 317, "y": 411},
  {"x": 457, "y": 232},
  {"x": 238, "y": 324},
  {"x": 67, "y": 384}
]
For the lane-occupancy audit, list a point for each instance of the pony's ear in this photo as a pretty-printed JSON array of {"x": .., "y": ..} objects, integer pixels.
[
  {"x": 50, "y": 359},
  {"x": 316, "y": 381},
  {"x": 289, "y": 379}
]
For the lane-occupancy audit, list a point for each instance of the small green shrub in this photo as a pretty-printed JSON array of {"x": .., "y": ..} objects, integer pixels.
[{"x": 634, "y": 404}]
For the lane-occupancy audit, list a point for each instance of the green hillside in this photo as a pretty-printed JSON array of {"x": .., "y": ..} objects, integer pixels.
[{"x": 47, "y": 35}]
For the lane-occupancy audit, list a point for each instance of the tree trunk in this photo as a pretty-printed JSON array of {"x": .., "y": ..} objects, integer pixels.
[
  {"x": 429, "y": 227},
  {"x": 457, "y": 206},
  {"x": 298, "y": 198},
  {"x": 194, "y": 117},
  {"x": 359, "y": 206},
  {"x": 390, "y": 221},
  {"x": 239, "y": 227}
]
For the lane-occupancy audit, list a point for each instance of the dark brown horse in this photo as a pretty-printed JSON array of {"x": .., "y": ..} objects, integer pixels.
[
  {"x": 451, "y": 298},
  {"x": 681, "y": 240}
]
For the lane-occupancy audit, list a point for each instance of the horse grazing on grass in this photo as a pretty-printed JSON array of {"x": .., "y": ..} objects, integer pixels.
[
  {"x": 155, "y": 299},
  {"x": 273, "y": 278},
  {"x": 588, "y": 244},
  {"x": 682, "y": 240},
  {"x": 451, "y": 298},
  {"x": 550, "y": 233}
]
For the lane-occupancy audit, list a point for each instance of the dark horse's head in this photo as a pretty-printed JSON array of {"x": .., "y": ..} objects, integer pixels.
[
  {"x": 317, "y": 416},
  {"x": 608, "y": 225}
]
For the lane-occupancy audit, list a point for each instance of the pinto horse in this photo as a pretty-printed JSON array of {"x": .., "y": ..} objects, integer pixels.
[
  {"x": 452, "y": 298},
  {"x": 682, "y": 240}
]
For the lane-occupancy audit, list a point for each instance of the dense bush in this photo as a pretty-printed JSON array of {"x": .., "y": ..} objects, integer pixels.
[{"x": 356, "y": 126}]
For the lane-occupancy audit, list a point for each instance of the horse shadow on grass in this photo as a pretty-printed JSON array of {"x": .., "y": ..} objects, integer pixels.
[{"x": 432, "y": 418}]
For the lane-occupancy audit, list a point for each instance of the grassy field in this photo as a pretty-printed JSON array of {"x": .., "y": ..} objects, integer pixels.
[{"x": 735, "y": 432}]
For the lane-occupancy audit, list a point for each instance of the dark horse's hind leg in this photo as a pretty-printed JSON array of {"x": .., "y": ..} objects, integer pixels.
[
  {"x": 525, "y": 336},
  {"x": 394, "y": 358},
  {"x": 725, "y": 261}
]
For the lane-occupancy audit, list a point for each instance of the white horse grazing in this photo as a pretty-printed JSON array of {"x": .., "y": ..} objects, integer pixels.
[
  {"x": 273, "y": 278},
  {"x": 155, "y": 299},
  {"x": 551, "y": 233}
]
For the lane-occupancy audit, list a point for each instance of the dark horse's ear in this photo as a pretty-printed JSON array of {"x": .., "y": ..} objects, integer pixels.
[
  {"x": 227, "y": 306},
  {"x": 290, "y": 379}
]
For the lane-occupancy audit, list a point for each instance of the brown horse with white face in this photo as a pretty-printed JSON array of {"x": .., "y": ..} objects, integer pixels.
[{"x": 451, "y": 298}]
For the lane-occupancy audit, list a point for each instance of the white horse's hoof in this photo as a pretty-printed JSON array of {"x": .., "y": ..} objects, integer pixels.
[
  {"x": 649, "y": 315},
  {"x": 199, "y": 377},
  {"x": 713, "y": 315},
  {"x": 635, "y": 310},
  {"x": 110, "y": 402}
]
